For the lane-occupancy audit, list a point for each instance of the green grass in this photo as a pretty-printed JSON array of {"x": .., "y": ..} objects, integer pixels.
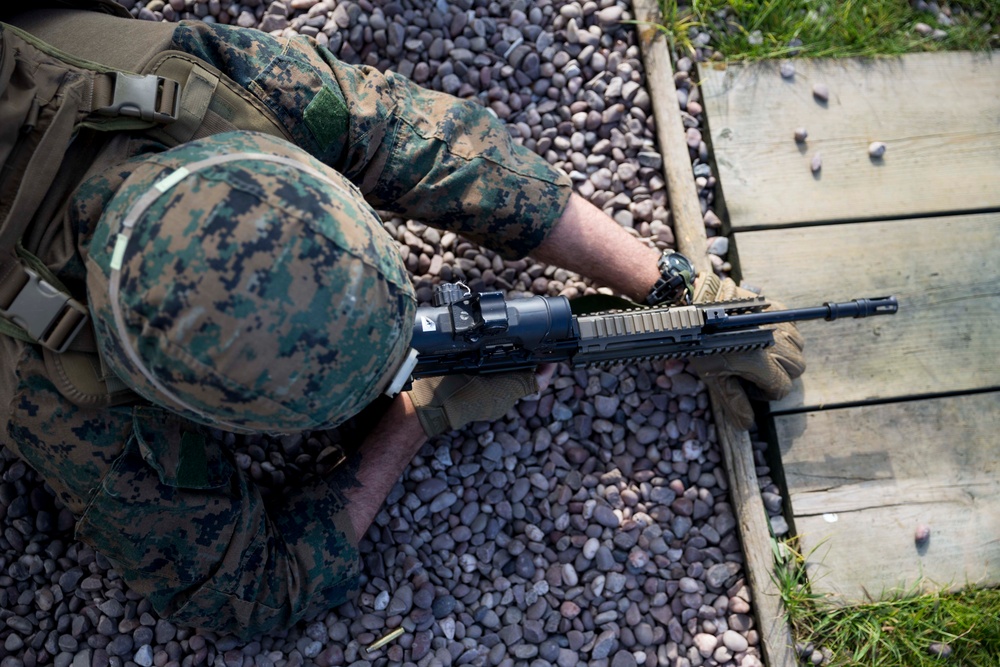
[
  {"x": 826, "y": 28},
  {"x": 897, "y": 632}
]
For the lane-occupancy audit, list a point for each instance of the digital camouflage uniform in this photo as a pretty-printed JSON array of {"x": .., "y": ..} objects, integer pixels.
[{"x": 166, "y": 504}]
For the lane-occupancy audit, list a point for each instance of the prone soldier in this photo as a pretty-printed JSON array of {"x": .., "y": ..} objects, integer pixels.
[{"x": 190, "y": 242}]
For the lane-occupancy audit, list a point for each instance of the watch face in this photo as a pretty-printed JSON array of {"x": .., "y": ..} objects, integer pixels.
[{"x": 679, "y": 264}]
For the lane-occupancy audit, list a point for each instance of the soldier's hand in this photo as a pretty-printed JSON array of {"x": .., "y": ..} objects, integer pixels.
[
  {"x": 770, "y": 370},
  {"x": 450, "y": 402}
]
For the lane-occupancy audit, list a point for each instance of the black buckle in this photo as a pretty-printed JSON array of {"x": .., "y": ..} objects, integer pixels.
[
  {"x": 48, "y": 315},
  {"x": 141, "y": 95}
]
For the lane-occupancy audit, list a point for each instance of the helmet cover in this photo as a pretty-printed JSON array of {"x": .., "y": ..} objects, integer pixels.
[{"x": 242, "y": 283}]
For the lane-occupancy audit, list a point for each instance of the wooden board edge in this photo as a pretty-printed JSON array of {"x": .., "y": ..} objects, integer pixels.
[
  {"x": 775, "y": 634},
  {"x": 772, "y": 623}
]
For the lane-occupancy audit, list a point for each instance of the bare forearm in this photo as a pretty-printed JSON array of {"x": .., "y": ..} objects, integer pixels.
[
  {"x": 385, "y": 453},
  {"x": 587, "y": 241}
]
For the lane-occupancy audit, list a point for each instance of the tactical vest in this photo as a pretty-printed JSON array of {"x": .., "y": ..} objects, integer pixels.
[{"x": 70, "y": 80}]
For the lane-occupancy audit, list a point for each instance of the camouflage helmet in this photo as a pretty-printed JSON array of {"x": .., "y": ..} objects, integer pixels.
[{"x": 240, "y": 282}]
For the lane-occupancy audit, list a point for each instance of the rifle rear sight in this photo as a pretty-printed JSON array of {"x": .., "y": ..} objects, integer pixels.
[{"x": 473, "y": 314}]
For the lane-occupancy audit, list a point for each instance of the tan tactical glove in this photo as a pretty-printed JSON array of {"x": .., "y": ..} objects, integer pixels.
[
  {"x": 771, "y": 370},
  {"x": 450, "y": 402}
]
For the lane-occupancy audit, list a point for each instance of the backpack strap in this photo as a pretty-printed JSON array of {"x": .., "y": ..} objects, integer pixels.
[
  {"x": 45, "y": 97},
  {"x": 211, "y": 102},
  {"x": 173, "y": 98}
]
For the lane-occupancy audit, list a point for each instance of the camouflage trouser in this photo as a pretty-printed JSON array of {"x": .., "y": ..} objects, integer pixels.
[{"x": 181, "y": 523}]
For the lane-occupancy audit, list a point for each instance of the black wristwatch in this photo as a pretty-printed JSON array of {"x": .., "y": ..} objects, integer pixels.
[{"x": 676, "y": 283}]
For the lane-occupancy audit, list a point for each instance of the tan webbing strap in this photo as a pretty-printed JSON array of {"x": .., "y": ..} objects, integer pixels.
[
  {"x": 42, "y": 169},
  {"x": 6, "y": 62},
  {"x": 47, "y": 314},
  {"x": 211, "y": 102},
  {"x": 9, "y": 289},
  {"x": 199, "y": 86}
]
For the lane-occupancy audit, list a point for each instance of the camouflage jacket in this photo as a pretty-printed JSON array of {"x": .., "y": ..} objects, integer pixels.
[{"x": 162, "y": 500}]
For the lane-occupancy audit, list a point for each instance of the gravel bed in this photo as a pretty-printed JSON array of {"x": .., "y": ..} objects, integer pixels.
[{"x": 590, "y": 526}]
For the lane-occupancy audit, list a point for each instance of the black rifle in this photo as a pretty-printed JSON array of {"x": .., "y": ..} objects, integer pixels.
[{"x": 476, "y": 333}]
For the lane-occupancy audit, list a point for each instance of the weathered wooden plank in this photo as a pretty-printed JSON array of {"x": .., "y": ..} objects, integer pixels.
[
  {"x": 772, "y": 626},
  {"x": 861, "y": 480},
  {"x": 945, "y": 272},
  {"x": 942, "y": 155}
]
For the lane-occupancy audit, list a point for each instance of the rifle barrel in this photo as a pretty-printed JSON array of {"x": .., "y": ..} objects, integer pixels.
[{"x": 881, "y": 305}]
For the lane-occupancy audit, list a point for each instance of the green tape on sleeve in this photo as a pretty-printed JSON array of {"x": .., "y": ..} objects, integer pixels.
[{"x": 327, "y": 118}]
